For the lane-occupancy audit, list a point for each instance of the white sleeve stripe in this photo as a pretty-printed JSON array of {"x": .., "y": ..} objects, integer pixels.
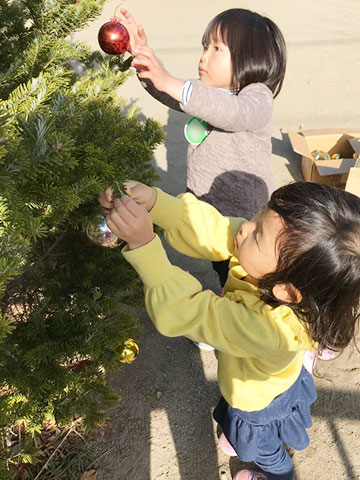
[{"x": 186, "y": 92}]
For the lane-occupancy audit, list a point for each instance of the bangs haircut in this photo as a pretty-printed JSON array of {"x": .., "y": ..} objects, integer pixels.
[
  {"x": 257, "y": 47},
  {"x": 319, "y": 254}
]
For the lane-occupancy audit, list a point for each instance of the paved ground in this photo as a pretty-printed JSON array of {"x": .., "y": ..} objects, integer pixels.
[{"x": 163, "y": 427}]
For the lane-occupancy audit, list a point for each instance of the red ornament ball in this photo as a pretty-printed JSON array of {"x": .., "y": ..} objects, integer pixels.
[{"x": 113, "y": 38}]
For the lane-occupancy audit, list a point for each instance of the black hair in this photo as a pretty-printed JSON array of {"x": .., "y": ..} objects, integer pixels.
[
  {"x": 257, "y": 47},
  {"x": 319, "y": 254}
]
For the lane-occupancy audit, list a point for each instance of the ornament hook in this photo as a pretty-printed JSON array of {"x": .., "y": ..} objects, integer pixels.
[
  {"x": 120, "y": 191},
  {"x": 118, "y": 6}
]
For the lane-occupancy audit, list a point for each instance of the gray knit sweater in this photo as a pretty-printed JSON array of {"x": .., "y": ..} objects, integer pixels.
[{"x": 230, "y": 169}]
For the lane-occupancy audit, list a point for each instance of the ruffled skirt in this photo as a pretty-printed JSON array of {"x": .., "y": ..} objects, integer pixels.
[{"x": 286, "y": 418}]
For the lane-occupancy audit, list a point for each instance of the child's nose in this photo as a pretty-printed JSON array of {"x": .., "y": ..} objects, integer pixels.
[
  {"x": 248, "y": 228},
  {"x": 203, "y": 57}
]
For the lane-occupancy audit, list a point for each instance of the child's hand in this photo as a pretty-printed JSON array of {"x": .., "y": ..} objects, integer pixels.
[
  {"x": 136, "y": 32},
  {"x": 130, "y": 222},
  {"x": 106, "y": 200},
  {"x": 155, "y": 71},
  {"x": 141, "y": 193}
]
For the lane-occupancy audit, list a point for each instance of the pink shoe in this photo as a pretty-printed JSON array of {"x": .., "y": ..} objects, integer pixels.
[
  {"x": 226, "y": 447},
  {"x": 247, "y": 475}
]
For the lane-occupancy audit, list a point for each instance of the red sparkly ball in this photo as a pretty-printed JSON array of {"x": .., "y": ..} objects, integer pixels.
[{"x": 113, "y": 37}]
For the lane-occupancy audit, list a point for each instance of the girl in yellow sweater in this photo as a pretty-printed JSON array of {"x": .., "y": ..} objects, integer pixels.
[{"x": 293, "y": 285}]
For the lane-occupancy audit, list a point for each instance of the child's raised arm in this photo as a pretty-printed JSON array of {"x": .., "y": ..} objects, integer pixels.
[
  {"x": 195, "y": 228},
  {"x": 250, "y": 110},
  {"x": 192, "y": 227},
  {"x": 155, "y": 71}
]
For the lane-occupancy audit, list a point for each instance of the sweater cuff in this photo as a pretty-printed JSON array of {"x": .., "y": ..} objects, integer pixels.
[
  {"x": 191, "y": 98},
  {"x": 167, "y": 211},
  {"x": 186, "y": 92},
  {"x": 150, "y": 261}
]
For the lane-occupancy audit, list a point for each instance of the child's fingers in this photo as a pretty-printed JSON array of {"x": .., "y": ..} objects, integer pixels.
[
  {"x": 145, "y": 57},
  {"x": 142, "y": 34},
  {"x": 151, "y": 64},
  {"x": 141, "y": 62},
  {"x": 129, "y": 184},
  {"x": 126, "y": 217},
  {"x": 144, "y": 73},
  {"x": 128, "y": 17},
  {"x": 136, "y": 191},
  {"x": 139, "y": 67},
  {"x": 128, "y": 209},
  {"x": 142, "y": 59},
  {"x": 116, "y": 225},
  {"x": 144, "y": 67},
  {"x": 137, "y": 35},
  {"x": 119, "y": 219},
  {"x": 106, "y": 199},
  {"x": 125, "y": 12},
  {"x": 109, "y": 195},
  {"x": 128, "y": 22},
  {"x": 144, "y": 50},
  {"x": 120, "y": 214}
]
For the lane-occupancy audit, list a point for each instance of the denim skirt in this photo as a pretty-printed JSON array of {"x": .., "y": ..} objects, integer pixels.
[{"x": 286, "y": 419}]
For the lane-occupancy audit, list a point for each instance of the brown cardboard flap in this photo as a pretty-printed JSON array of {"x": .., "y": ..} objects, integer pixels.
[
  {"x": 299, "y": 144},
  {"x": 329, "y": 131},
  {"x": 334, "y": 167},
  {"x": 355, "y": 143},
  {"x": 353, "y": 181},
  {"x": 331, "y": 143}
]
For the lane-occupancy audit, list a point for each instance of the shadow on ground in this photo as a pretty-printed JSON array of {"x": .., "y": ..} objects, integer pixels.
[{"x": 167, "y": 386}]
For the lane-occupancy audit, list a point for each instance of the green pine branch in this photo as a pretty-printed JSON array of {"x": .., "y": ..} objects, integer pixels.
[{"x": 66, "y": 133}]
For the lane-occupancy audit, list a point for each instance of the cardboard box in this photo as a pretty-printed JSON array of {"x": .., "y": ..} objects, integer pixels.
[
  {"x": 353, "y": 179},
  {"x": 331, "y": 172}
]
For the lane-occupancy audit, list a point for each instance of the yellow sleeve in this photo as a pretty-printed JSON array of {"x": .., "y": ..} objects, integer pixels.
[
  {"x": 178, "y": 306},
  {"x": 195, "y": 228}
]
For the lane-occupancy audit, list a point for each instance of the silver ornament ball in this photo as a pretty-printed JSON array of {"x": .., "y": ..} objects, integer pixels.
[{"x": 100, "y": 234}]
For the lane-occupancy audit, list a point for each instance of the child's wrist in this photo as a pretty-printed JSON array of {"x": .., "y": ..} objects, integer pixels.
[
  {"x": 173, "y": 86},
  {"x": 153, "y": 199},
  {"x": 133, "y": 245}
]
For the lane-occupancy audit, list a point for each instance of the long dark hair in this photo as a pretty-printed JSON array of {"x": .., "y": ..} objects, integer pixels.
[
  {"x": 257, "y": 47},
  {"x": 319, "y": 254}
]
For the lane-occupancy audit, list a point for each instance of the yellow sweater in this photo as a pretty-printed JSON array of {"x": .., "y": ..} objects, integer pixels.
[{"x": 260, "y": 347}]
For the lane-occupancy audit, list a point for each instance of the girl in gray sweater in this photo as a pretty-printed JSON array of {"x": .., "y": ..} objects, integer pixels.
[{"x": 241, "y": 70}]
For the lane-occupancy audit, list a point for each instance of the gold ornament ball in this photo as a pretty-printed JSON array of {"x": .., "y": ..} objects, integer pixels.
[
  {"x": 320, "y": 155},
  {"x": 129, "y": 352}
]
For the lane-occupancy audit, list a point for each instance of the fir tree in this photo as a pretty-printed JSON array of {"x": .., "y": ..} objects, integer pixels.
[{"x": 64, "y": 137}]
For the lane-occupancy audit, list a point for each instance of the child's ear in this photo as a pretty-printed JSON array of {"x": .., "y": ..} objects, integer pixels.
[{"x": 287, "y": 293}]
